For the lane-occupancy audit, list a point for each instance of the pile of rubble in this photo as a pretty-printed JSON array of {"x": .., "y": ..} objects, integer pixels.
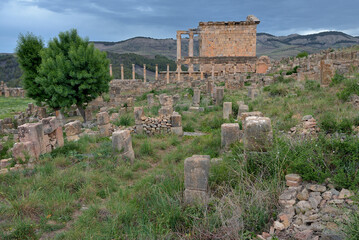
[
  {"x": 311, "y": 211},
  {"x": 306, "y": 129}
]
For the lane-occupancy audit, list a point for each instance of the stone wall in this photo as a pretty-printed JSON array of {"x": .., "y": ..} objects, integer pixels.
[
  {"x": 11, "y": 92},
  {"x": 219, "y": 39}
]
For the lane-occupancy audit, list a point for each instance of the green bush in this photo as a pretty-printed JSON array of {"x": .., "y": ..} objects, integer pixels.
[
  {"x": 302, "y": 54},
  {"x": 345, "y": 126},
  {"x": 276, "y": 90},
  {"x": 337, "y": 79},
  {"x": 125, "y": 120},
  {"x": 281, "y": 79},
  {"x": 311, "y": 85},
  {"x": 351, "y": 87},
  {"x": 294, "y": 70},
  {"x": 329, "y": 123},
  {"x": 188, "y": 127}
]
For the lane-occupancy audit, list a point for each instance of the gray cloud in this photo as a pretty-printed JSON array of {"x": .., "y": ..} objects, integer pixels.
[{"x": 114, "y": 20}]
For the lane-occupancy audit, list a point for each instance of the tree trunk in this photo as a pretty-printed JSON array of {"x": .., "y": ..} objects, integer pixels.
[{"x": 82, "y": 112}]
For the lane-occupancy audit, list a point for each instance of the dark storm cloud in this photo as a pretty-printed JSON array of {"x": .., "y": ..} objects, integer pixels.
[{"x": 114, "y": 20}]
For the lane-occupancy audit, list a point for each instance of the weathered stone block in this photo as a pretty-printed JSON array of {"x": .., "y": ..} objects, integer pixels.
[
  {"x": 73, "y": 128},
  {"x": 102, "y": 118},
  {"x": 258, "y": 134},
  {"x": 196, "y": 97},
  {"x": 219, "y": 95},
  {"x": 177, "y": 130},
  {"x": 227, "y": 110},
  {"x": 33, "y": 132},
  {"x": 196, "y": 174},
  {"x": 24, "y": 150},
  {"x": 176, "y": 120},
  {"x": 105, "y": 130},
  {"x": 244, "y": 115},
  {"x": 139, "y": 114},
  {"x": 165, "y": 111},
  {"x": 229, "y": 134},
  {"x": 122, "y": 142},
  {"x": 50, "y": 124},
  {"x": 150, "y": 100}
]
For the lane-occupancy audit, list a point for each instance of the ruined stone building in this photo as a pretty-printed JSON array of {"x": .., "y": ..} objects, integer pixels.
[{"x": 224, "y": 48}]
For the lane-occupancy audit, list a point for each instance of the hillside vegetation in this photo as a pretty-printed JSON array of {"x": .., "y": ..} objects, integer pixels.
[{"x": 85, "y": 191}]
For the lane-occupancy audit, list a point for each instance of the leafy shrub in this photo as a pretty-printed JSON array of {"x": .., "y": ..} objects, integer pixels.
[
  {"x": 247, "y": 84},
  {"x": 311, "y": 85},
  {"x": 302, "y": 54},
  {"x": 188, "y": 127},
  {"x": 221, "y": 84},
  {"x": 351, "y": 87},
  {"x": 281, "y": 79},
  {"x": 276, "y": 90},
  {"x": 337, "y": 79},
  {"x": 328, "y": 123},
  {"x": 356, "y": 121},
  {"x": 125, "y": 120},
  {"x": 294, "y": 70},
  {"x": 345, "y": 126}
]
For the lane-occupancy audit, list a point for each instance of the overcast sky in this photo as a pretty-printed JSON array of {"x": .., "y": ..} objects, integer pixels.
[{"x": 115, "y": 20}]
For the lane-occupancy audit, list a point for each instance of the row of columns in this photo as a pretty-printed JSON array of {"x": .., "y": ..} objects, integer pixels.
[
  {"x": 144, "y": 72},
  {"x": 179, "y": 54}
]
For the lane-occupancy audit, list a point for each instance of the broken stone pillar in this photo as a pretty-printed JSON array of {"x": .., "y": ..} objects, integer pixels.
[
  {"x": 53, "y": 130},
  {"x": 103, "y": 122},
  {"x": 133, "y": 72},
  {"x": 72, "y": 130},
  {"x": 168, "y": 74},
  {"x": 122, "y": 73},
  {"x": 209, "y": 88},
  {"x": 33, "y": 132},
  {"x": 150, "y": 100},
  {"x": 41, "y": 112},
  {"x": 327, "y": 72},
  {"x": 111, "y": 70},
  {"x": 227, "y": 110},
  {"x": 139, "y": 115},
  {"x": 179, "y": 72},
  {"x": 88, "y": 115},
  {"x": 196, "y": 97},
  {"x": 241, "y": 109},
  {"x": 196, "y": 174},
  {"x": 212, "y": 71},
  {"x": 176, "y": 124},
  {"x": 202, "y": 74},
  {"x": 60, "y": 117},
  {"x": 258, "y": 134},
  {"x": 6, "y": 92},
  {"x": 129, "y": 102},
  {"x": 229, "y": 134},
  {"x": 122, "y": 142},
  {"x": 165, "y": 111},
  {"x": 144, "y": 73},
  {"x": 156, "y": 73},
  {"x": 219, "y": 95}
]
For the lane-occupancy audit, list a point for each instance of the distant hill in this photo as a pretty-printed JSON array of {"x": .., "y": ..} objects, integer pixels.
[
  {"x": 144, "y": 50},
  {"x": 272, "y": 46}
]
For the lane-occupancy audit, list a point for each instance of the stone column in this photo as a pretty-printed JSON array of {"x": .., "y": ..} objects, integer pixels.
[
  {"x": 196, "y": 97},
  {"x": 190, "y": 44},
  {"x": 201, "y": 69},
  {"x": 139, "y": 115},
  {"x": 150, "y": 100},
  {"x": 111, "y": 70},
  {"x": 176, "y": 124},
  {"x": 227, "y": 110},
  {"x": 212, "y": 71},
  {"x": 219, "y": 95},
  {"x": 168, "y": 74},
  {"x": 190, "y": 51},
  {"x": 122, "y": 73},
  {"x": 196, "y": 175},
  {"x": 156, "y": 76},
  {"x": 179, "y": 72},
  {"x": 122, "y": 142},
  {"x": 133, "y": 72},
  {"x": 178, "y": 45},
  {"x": 144, "y": 73}
]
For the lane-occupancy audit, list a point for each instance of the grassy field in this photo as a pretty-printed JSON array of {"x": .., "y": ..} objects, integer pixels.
[
  {"x": 85, "y": 191},
  {"x": 12, "y": 105}
]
